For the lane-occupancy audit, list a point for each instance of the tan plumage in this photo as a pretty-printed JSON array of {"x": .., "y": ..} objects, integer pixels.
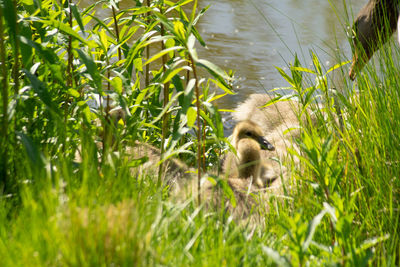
[
  {"x": 245, "y": 173},
  {"x": 248, "y": 140},
  {"x": 279, "y": 123}
]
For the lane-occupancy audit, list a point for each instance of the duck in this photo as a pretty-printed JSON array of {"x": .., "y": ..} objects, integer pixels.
[
  {"x": 374, "y": 25},
  {"x": 248, "y": 163},
  {"x": 246, "y": 175},
  {"x": 280, "y": 125},
  {"x": 279, "y": 121}
]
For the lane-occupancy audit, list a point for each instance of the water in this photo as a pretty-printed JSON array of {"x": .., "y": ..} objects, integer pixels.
[{"x": 253, "y": 36}]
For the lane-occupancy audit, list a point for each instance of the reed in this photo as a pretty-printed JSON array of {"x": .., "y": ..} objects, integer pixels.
[{"x": 4, "y": 95}]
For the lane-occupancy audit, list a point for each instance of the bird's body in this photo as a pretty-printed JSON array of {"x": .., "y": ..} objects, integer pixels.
[
  {"x": 256, "y": 171},
  {"x": 249, "y": 142},
  {"x": 373, "y": 26}
]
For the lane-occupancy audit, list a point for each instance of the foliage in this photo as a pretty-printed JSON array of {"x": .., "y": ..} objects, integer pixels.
[{"x": 63, "y": 74}]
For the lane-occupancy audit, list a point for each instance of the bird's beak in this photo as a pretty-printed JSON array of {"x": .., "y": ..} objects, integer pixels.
[
  {"x": 265, "y": 145},
  {"x": 356, "y": 66}
]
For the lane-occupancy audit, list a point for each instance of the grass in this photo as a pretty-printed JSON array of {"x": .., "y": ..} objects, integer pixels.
[{"x": 343, "y": 210}]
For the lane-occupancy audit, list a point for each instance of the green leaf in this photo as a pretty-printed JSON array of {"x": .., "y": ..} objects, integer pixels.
[
  {"x": 103, "y": 39},
  {"x": 311, "y": 229},
  {"x": 218, "y": 123},
  {"x": 317, "y": 64},
  {"x": 338, "y": 66},
  {"x": 190, "y": 46},
  {"x": 186, "y": 101},
  {"x": 58, "y": 72},
  {"x": 178, "y": 4},
  {"x": 116, "y": 83},
  {"x": 77, "y": 16},
  {"x": 65, "y": 28},
  {"x": 100, "y": 22},
  {"x": 170, "y": 43},
  {"x": 46, "y": 54},
  {"x": 211, "y": 67},
  {"x": 208, "y": 120},
  {"x": 302, "y": 69},
  {"x": 191, "y": 117},
  {"x": 192, "y": 29},
  {"x": 26, "y": 50},
  {"x": 201, "y": 13},
  {"x": 272, "y": 101},
  {"x": 164, "y": 20},
  {"x": 226, "y": 110},
  {"x": 40, "y": 89},
  {"x": 87, "y": 113},
  {"x": 170, "y": 74},
  {"x": 179, "y": 29},
  {"x": 285, "y": 76},
  {"x": 137, "y": 162},
  {"x": 73, "y": 92},
  {"x": 228, "y": 192},
  {"x": 172, "y": 151},
  {"x": 27, "y": 2},
  {"x": 138, "y": 64},
  {"x": 91, "y": 68},
  {"x": 142, "y": 10},
  {"x": 217, "y": 72},
  {"x": 139, "y": 100},
  {"x": 11, "y": 20},
  {"x": 166, "y": 108},
  {"x": 223, "y": 87},
  {"x": 163, "y": 52},
  {"x": 32, "y": 151},
  {"x": 216, "y": 97}
]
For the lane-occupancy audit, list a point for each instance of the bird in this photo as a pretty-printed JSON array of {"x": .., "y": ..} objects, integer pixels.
[
  {"x": 245, "y": 175},
  {"x": 373, "y": 26},
  {"x": 250, "y": 173},
  {"x": 281, "y": 126},
  {"x": 279, "y": 121},
  {"x": 244, "y": 178},
  {"x": 248, "y": 141}
]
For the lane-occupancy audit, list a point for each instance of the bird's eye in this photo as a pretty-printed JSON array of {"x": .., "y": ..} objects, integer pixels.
[{"x": 249, "y": 133}]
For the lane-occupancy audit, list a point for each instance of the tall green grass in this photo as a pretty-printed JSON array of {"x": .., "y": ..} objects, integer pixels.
[{"x": 55, "y": 57}]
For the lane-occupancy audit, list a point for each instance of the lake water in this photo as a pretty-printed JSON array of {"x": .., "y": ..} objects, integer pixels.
[{"x": 253, "y": 36}]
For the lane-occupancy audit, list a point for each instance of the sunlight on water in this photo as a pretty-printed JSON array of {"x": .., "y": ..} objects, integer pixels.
[{"x": 252, "y": 37}]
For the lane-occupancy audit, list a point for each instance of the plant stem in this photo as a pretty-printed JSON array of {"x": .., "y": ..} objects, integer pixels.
[
  {"x": 70, "y": 56},
  {"x": 166, "y": 100},
  {"x": 116, "y": 31},
  {"x": 199, "y": 136},
  {"x": 147, "y": 70},
  {"x": 15, "y": 74},
  {"x": 204, "y": 149},
  {"x": 4, "y": 92},
  {"x": 107, "y": 119},
  {"x": 16, "y": 55},
  {"x": 69, "y": 73}
]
